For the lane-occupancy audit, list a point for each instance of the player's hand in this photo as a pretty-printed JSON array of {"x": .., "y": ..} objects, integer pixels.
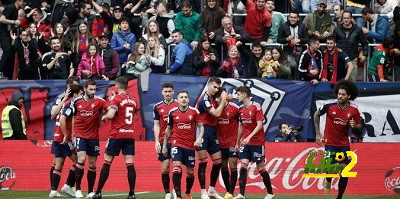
[
  {"x": 245, "y": 141},
  {"x": 223, "y": 95},
  {"x": 67, "y": 92},
  {"x": 165, "y": 151},
  {"x": 111, "y": 95},
  {"x": 103, "y": 118},
  {"x": 197, "y": 143},
  {"x": 158, "y": 147},
  {"x": 318, "y": 139},
  {"x": 237, "y": 147},
  {"x": 229, "y": 98},
  {"x": 352, "y": 123},
  {"x": 64, "y": 140}
]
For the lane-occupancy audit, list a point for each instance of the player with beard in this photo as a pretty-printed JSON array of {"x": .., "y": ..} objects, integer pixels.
[
  {"x": 182, "y": 120},
  {"x": 253, "y": 140},
  {"x": 160, "y": 116},
  {"x": 86, "y": 127},
  {"x": 341, "y": 115}
]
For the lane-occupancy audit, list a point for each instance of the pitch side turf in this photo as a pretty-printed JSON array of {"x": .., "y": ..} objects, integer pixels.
[{"x": 6, "y": 194}]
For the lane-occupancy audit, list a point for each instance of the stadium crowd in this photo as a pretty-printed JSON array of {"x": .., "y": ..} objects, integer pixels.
[{"x": 55, "y": 39}]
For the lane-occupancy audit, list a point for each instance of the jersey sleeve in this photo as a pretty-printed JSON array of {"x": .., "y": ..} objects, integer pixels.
[
  {"x": 198, "y": 117},
  {"x": 356, "y": 116},
  {"x": 68, "y": 110},
  {"x": 239, "y": 116},
  {"x": 114, "y": 104},
  {"x": 323, "y": 109},
  {"x": 104, "y": 105},
  {"x": 156, "y": 116},
  {"x": 205, "y": 105},
  {"x": 170, "y": 119},
  {"x": 259, "y": 114}
]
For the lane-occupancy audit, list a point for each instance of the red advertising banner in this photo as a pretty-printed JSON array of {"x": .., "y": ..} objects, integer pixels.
[{"x": 25, "y": 165}]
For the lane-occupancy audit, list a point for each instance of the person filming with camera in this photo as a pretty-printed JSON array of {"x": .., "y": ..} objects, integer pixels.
[{"x": 288, "y": 133}]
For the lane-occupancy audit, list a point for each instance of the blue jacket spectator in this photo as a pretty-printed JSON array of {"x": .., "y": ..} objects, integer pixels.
[
  {"x": 379, "y": 26},
  {"x": 181, "y": 61},
  {"x": 123, "y": 41}
]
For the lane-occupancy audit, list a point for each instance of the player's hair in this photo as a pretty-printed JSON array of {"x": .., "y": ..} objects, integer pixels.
[
  {"x": 90, "y": 82},
  {"x": 331, "y": 38},
  {"x": 219, "y": 92},
  {"x": 168, "y": 85},
  {"x": 347, "y": 85},
  {"x": 75, "y": 89},
  {"x": 244, "y": 89},
  {"x": 122, "y": 82},
  {"x": 72, "y": 79},
  {"x": 214, "y": 79},
  {"x": 183, "y": 91},
  {"x": 387, "y": 42},
  {"x": 280, "y": 125}
]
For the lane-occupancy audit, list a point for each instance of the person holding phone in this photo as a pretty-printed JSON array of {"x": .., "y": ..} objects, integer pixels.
[{"x": 205, "y": 58}]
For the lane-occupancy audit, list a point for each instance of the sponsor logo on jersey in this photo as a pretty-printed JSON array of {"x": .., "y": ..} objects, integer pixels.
[
  {"x": 165, "y": 118},
  {"x": 246, "y": 121},
  {"x": 86, "y": 113},
  {"x": 340, "y": 121},
  {"x": 223, "y": 121},
  {"x": 183, "y": 126},
  {"x": 126, "y": 130}
]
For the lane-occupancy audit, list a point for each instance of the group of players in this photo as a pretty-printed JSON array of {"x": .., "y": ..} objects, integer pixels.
[{"x": 216, "y": 126}]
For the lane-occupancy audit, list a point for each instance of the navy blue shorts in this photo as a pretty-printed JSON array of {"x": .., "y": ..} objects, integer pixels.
[
  {"x": 161, "y": 157},
  {"x": 91, "y": 147},
  {"x": 252, "y": 153},
  {"x": 228, "y": 153},
  {"x": 210, "y": 141},
  {"x": 186, "y": 156},
  {"x": 61, "y": 150},
  {"x": 337, "y": 149},
  {"x": 114, "y": 146}
]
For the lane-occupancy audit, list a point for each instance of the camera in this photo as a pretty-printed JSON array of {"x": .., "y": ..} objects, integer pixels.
[{"x": 297, "y": 128}]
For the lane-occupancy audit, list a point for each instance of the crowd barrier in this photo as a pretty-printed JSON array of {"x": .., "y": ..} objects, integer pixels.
[{"x": 25, "y": 165}]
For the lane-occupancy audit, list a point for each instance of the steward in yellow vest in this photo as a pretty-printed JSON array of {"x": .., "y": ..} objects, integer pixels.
[{"x": 12, "y": 120}]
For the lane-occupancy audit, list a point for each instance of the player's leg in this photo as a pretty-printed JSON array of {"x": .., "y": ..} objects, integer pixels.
[
  {"x": 104, "y": 173},
  {"x": 225, "y": 169},
  {"x": 70, "y": 183},
  {"x": 217, "y": 163},
  {"x": 234, "y": 173},
  {"x": 165, "y": 178},
  {"x": 93, "y": 151},
  {"x": 258, "y": 156},
  {"x": 189, "y": 162},
  {"x": 56, "y": 176},
  {"x": 128, "y": 150},
  {"x": 51, "y": 170},
  {"x": 81, "y": 146},
  {"x": 343, "y": 180},
  {"x": 245, "y": 157}
]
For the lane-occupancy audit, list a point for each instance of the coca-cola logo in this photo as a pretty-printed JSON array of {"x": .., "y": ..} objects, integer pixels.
[
  {"x": 392, "y": 180},
  {"x": 7, "y": 177}
]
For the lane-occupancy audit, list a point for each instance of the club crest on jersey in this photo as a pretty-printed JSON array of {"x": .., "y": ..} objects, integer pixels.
[
  {"x": 348, "y": 115},
  {"x": 80, "y": 106},
  {"x": 250, "y": 113},
  {"x": 190, "y": 117},
  {"x": 227, "y": 114},
  {"x": 92, "y": 105},
  {"x": 162, "y": 110}
]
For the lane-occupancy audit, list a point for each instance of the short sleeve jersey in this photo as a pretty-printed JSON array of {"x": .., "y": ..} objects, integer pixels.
[
  {"x": 227, "y": 127},
  {"x": 122, "y": 125},
  {"x": 87, "y": 117},
  {"x": 249, "y": 117},
  {"x": 256, "y": 20},
  {"x": 68, "y": 111},
  {"x": 337, "y": 123},
  {"x": 204, "y": 105},
  {"x": 160, "y": 113},
  {"x": 183, "y": 125}
]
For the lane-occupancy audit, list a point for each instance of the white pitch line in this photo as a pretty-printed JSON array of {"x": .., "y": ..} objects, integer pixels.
[{"x": 123, "y": 194}]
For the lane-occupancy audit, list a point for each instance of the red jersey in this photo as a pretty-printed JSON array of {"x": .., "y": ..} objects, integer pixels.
[
  {"x": 256, "y": 20},
  {"x": 249, "y": 117},
  {"x": 204, "y": 105},
  {"x": 160, "y": 113},
  {"x": 68, "y": 111},
  {"x": 337, "y": 123},
  {"x": 184, "y": 126},
  {"x": 122, "y": 123},
  {"x": 87, "y": 117},
  {"x": 227, "y": 127}
]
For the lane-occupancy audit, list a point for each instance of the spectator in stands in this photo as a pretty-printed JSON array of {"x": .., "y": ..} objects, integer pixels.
[
  {"x": 396, "y": 13},
  {"x": 319, "y": 23},
  {"x": 99, "y": 26},
  {"x": 258, "y": 21},
  {"x": 282, "y": 62},
  {"x": 110, "y": 57},
  {"x": 123, "y": 41},
  {"x": 85, "y": 9},
  {"x": 66, "y": 40},
  {"x": 91, "y": 65},
  {"x": 156, "y": 54},
  {"x": 310, "y": 64},
  {"x": 181, "y": 61},
  {"x": 12, "y": 119},
  {"x": 205, "y": 58},
  {"x": 154, "y": 30},
  {"x": 338, "y": 11},
  {"x": 295, "y": 35},
  {"x": 379, "y": 27},
  {"x": 111, "y": 20},
  {"x": 303, "y": 6},
  {"x": 396, "y": 44},
  {"x": 386, "y": 7},
  {"x": 41, "y": 21},
  {"x": 28, "y": 59},
  {"x": 251, "y": 60},
  {"x": 56, "y": 63},
  {"x": 228, "y": 34},
  {"x": 268, "y": 66},
  {"x": 211, "y": 19},
  {"x": 336, "y": 64},
  {"x": 70, "y": 21},
  {"x": 287, "y": 134},
  {"x": 277, "y": 20},
  {"x": 165, "y": 20},
  {"x": 233, "y": 66},
  {"x": 188, "y": 22},
  {"x": 80, "y": 41},
  {"x": 348, "y": 37},
  {"x": 379, "y": 63},
  {"x": 134, "y": 10},
  {"x": 136, "y": 63},
  {"x": 58, "y": 10},
  {"x": 8, "y": 20},
  {"x": 355, "y": 7},
  {"x": 33, "y": 33}
]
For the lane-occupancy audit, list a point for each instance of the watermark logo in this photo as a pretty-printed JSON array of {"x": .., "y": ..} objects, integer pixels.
[
  {"x": 326, "y": 168},
  {"x": 392, "y": 180}
]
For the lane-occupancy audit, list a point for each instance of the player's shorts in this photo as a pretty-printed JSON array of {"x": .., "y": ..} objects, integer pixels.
[
  {"x": 186, "y": 156},
  {"x": 91, "y": 147},
  {"x": 161, "y": 157},
  {"x": 337, "y": 149},
  {"x": 227, "y": 153},
  {"x": 114, "y": 146},
  {"x": 210, "y": 141},
  {"x": 62, "y": 150},
  {"x": 252, "y": 153}
]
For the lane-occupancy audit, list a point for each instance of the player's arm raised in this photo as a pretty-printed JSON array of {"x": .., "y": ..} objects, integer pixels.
[
  {"x": 57, "y": 108},
  {"x": 256, "y": 130},
  {"x": 318, "y": 136},
  {"x": 216, "y": 112},
  {"x": 197, "y": 143}
]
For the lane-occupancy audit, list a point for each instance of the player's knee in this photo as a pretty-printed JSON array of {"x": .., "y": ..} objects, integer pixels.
[
  {"x": 165, "y": 168},
  {"x": 260, "y": 166},
  {"x": 217, "y": 161},
  {"x": 203, "y": 160},
  {"x": 243, "y": 166}
]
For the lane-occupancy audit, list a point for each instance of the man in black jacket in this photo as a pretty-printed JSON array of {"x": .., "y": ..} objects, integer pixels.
[
  {"x": 110, "y": 57},
  {"x": 295, "y": 35},
  {"x": 14, "y": 128},
  {"x": 348, "y": 36},
  {"x": 251, "y": 69},
  {"x": 310, "y": 64}
]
